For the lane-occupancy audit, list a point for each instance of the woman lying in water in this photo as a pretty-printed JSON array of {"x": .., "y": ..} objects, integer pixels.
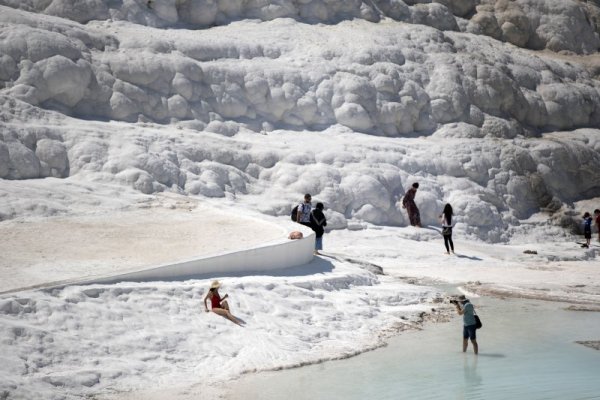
[{"x": 218, "y": 304}]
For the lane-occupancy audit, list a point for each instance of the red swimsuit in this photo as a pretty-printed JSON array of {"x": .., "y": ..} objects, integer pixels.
[{"x": 215, "y": 300}]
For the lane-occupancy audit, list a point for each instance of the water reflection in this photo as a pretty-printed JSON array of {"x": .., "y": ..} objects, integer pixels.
[
  {"x": 492, "y": 355},
  {"x": 473, "y": 380}
]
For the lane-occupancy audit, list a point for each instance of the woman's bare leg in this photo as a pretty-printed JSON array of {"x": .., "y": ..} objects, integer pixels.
[
  {"x": 225, "y": 305},
  {"x": 225, "y": 313}
]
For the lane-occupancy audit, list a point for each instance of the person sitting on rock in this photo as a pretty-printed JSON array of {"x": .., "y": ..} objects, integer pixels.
[{"x": 218, "y": 304}]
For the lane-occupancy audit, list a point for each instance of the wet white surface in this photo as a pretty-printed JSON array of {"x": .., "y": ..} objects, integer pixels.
[{"x": 527, "y": 351}]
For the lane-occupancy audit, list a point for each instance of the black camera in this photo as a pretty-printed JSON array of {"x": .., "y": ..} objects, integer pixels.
[{"x": 454, "y": 301}]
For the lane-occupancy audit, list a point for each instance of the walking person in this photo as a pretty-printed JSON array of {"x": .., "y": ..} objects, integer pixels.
[
  {"x": 466, "y": 309},
  {"x": 218, "y": 304},
  {"x": 318, "y": 224},
  {"x": 408, "y": 202},
  {"x": 446, "y": 219},
  {"x": 587, "y": 229},
  {"x": 304, "y": 209}
]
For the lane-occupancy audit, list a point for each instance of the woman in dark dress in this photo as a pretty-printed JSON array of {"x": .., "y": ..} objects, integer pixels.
[{"x": 408, "y": 202}]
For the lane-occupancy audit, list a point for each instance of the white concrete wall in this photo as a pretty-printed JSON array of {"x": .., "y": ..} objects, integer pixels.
[{"x": 276, "y": 255}]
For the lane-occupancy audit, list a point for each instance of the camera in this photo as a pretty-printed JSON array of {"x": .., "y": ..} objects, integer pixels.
[{"x": 456, "y": 300}]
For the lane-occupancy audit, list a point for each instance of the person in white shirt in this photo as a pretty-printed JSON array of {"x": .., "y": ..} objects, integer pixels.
[{"x": 304, "y": 209}]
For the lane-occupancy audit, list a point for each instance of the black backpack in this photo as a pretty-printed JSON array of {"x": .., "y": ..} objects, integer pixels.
[{"x": 294, "y": 214}]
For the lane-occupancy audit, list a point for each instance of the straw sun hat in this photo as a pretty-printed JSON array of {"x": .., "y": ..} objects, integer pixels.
[{"x": 215, "y": 285}]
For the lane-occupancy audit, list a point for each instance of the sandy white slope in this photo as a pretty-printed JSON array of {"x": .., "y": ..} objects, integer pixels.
[{"x": 37, "y": 252}]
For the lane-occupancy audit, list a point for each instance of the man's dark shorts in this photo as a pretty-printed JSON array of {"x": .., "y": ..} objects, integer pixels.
[{"x": 470, "y": 332}]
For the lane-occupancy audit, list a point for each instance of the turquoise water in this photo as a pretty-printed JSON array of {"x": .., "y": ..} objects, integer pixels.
[{"x": 527, "y": 351}]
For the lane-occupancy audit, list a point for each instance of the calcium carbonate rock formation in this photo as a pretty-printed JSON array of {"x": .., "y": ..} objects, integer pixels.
[
  {"x": 540, "y": 24},
  {"x": 394, "y": 81},
  {"x": 348, "y": 100}
]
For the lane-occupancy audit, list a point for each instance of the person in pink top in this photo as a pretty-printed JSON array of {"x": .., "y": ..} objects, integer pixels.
[
  {"x": 218, "y": 304},
  {"x": 597, "y": 218}
]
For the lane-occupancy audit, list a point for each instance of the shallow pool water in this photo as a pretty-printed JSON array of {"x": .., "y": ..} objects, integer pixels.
[{"x": 527, "y": 351}]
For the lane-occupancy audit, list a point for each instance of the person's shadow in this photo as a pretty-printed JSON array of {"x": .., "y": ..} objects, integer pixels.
[
  {"x": 456, "y": 254},
  {"x": 374, "y": 268},
  {"x": 468, "y": 257}
]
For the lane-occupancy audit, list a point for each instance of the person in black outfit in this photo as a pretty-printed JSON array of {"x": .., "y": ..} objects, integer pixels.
[
  {"x": 318, "y": 222},
  {"x": 446, "y": 219},
  {"x": 408, "y": 202}
]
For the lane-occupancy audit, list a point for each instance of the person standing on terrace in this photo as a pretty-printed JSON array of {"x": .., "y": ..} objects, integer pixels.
[{"x": 408, "y": 202}]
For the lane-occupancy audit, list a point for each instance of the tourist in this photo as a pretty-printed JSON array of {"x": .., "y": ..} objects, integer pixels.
[
  {"x": 597, "y": 216},
  {"x": 304, "y": 209},
  {"x": 218, "y": 304},
  {"x": 408, "y": 202},
  {"x": 318, "y": 224},
  {"x": 446, "y": 219},
  {"x": 466, "y": 309},
  {"x": 587, "y": 229}
]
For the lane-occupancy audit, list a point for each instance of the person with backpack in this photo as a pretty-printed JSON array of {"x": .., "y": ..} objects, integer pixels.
[
  {"x": 466, "y": 309},
  {"x": 303, "y": 211},
  {"x": 446, "y": 219},
  {"x": 318, "y": 224}
]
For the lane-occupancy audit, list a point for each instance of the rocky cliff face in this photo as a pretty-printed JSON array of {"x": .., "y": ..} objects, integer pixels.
[{"x": 450, "y": 91}]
